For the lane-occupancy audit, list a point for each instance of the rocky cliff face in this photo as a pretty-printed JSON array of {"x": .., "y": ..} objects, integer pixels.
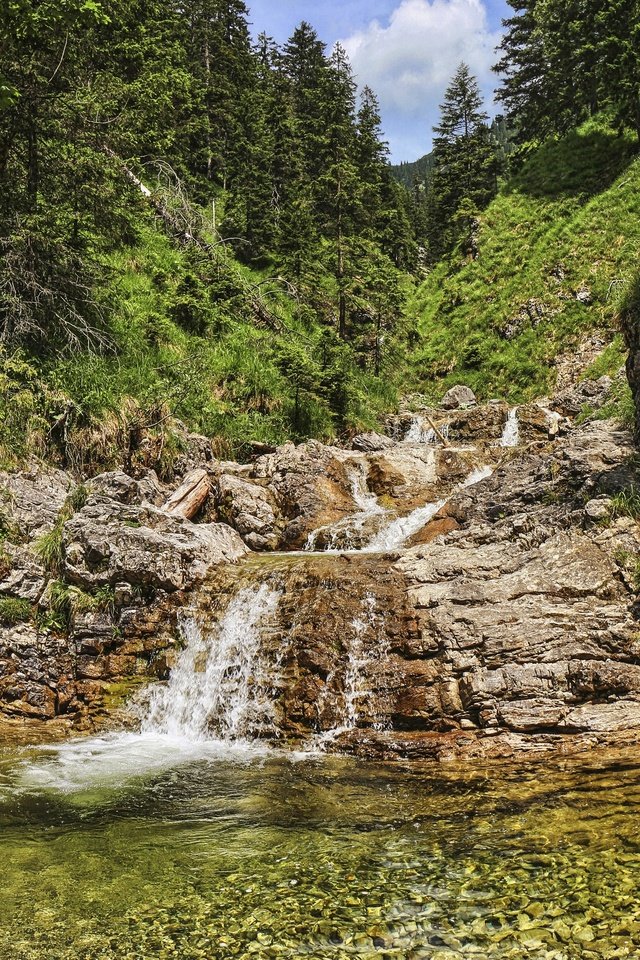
[{"x": 502, "y": 619}]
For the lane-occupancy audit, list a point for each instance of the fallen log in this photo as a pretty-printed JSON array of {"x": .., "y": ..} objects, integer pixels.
[
  {"x": 441, "y": 437},
  {"x": 190, "y": 496}
]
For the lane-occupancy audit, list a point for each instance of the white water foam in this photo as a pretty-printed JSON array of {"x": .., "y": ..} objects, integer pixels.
[
  {"x": 420, "y": 432},
  {"x": 347, "y": 533},
  {"x": 367, "y": 649},
  {"x": 219, "y": 686},
  {"x": 511, "y": 432},
  {"x": 217, "y": 704},
  {"x": 116, "y": 759},
  {"x": 399, "y": 531}
]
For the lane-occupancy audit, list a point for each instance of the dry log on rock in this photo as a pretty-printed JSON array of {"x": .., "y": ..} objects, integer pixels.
[{"x": 190, "y": 496}]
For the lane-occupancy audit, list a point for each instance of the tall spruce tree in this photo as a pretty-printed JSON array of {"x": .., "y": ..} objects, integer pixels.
[
  {"x": 464, "y": 173},
  {"x": 339, "y": 186},
  {"x": 562, "y": 60}
]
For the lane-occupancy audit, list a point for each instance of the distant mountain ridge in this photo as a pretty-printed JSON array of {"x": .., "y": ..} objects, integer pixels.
[{"x": 407, "y": 173}]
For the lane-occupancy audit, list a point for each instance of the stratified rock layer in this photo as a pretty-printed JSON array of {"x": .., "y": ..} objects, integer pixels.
[{"x": 508, "y": 623}]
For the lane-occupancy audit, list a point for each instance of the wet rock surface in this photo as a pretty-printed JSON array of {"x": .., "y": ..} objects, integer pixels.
[{"x": 507, "y": 622}]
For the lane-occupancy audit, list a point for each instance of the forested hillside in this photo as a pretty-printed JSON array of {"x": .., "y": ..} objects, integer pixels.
[
  {"x": 555, "y": 253},
  {"x": 518, "y": 280},
  {"x": 190, "y": 226},
  {"x": 202, "y": 233}
]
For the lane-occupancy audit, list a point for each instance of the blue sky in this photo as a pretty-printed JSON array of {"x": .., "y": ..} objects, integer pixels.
[{"x": 405, "y": 49}]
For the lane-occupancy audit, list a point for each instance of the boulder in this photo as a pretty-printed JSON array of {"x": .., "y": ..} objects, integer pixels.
[
  {"x": 31, "y": 500},
  {"x": 458, "y": 396},
  {"x": 21, "y": 575},
  {"x": 372, "y": 442},
  {"x": 249, "y": 509},
  {"x": 119, "y": 486},
  {"x": 311, "y": 486},
  {"x": 107, "y": 543}
]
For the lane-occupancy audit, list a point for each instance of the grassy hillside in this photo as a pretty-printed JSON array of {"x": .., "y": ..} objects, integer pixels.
[
  {"x": 195, "y": 345},
  {"x": 558, "y": 247}
]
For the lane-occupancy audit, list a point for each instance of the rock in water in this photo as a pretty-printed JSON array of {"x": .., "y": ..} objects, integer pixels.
[{"x": 458, "y": 396}]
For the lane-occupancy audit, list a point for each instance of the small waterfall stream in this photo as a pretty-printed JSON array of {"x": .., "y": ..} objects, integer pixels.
[
  {"x": 366, "y": 654},
  {"x": 347, "y": 533},
  {"x": 395, "y": 534},
  {"x": 421, "y": 432},
  {"x": 511, "y": 433},
  {"x": 220, "y": 686}
]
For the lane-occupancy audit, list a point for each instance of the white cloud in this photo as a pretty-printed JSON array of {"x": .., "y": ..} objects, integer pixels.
[{"x": 410, "y": 60}]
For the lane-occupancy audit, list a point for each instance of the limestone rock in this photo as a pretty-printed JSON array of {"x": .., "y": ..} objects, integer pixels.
[
  {"x": 591, "y": 394},
  {"x": 249, "y": 509},
  {"x": 106, "y": 543},
  {"x": 479, "y": 423},
  {"x": 310, "y": 485},
  {"x": 407, "y": 473},
  {"x": 119, "y": 486},
  {"x": 25, "y": 577},
  {"x": 32, "y": 499},
  {"x": 458, "y": 396},
  {"x": 372, "y": 442},
  {"x": 597, "y": 509},
  {"x": 33, "y": 668}
]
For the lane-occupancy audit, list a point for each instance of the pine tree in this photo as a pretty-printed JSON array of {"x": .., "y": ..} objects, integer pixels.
[
  {"x": 305, "y": 65},
  {"x": 339, "y": 186},
  {"x": 220, "y": 58},
  {"x": 371, "y": 155},
  {"x": 619, "y": 58},
  {"x": 464, "y": 174},
  {"x": 522, "y": 67}
]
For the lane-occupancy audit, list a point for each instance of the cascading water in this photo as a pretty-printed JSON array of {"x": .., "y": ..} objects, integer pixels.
[
  {"x": 399, "y": 531},
  {"x": 367, "y": 652},
  {"x": 218, "y": 703},
  {"x": 511, "y": 432},
  {"x": 402, "y": 529},
  {"x": 419, "y": 432},
  {"x": 220, "y": 686},
  {"x": 347, "y": 533}
]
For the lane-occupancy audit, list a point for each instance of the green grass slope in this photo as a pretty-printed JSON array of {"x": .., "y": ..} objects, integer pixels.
[
  {"x": 214, "y": 348},
  {"x": 557, "y": 249}
]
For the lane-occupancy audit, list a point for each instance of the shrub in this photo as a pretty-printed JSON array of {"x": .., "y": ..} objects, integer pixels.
[
  {"x": 14, "y": 610},
  {"x": 50, "y": 546}
]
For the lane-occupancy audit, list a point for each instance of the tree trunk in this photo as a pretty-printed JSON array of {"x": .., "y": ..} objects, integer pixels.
[{"x": 190, "y": 496}]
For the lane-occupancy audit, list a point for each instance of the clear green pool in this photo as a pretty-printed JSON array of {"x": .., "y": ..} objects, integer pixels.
[{"x": 139, "y": 848}]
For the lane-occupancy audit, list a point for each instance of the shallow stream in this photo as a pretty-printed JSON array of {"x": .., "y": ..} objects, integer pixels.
[{"x": 144, "y": 847}]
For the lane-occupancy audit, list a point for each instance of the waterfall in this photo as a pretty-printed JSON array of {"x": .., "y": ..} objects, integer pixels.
[
  {"x": 419, "y": 433},
  {"x": 402, "y": 529},
  {"x": 399, "y": 531},
  {"x": 511, "y": 432},
  {"x": 347, "y": 534},
  {"x": 220, "y": 686},
  {"x": 367, "y": 650}
]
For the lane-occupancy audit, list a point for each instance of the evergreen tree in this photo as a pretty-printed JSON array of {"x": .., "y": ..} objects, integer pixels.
[
  {"x": 372, "y": 159},
  {"x": 220, "y": 59},
  {"x": 619, "y": 58},
  {"x": 339, "y": 186},
  {"x": 464, "y": 173},
  {"x": 563, "y": 60}
]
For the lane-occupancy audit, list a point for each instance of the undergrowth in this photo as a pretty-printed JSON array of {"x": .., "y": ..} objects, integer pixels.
[
  {"x": 50, "y": 546},
  {"x": 14, "y": 610},
  {"x": 556, "y": 248}
]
